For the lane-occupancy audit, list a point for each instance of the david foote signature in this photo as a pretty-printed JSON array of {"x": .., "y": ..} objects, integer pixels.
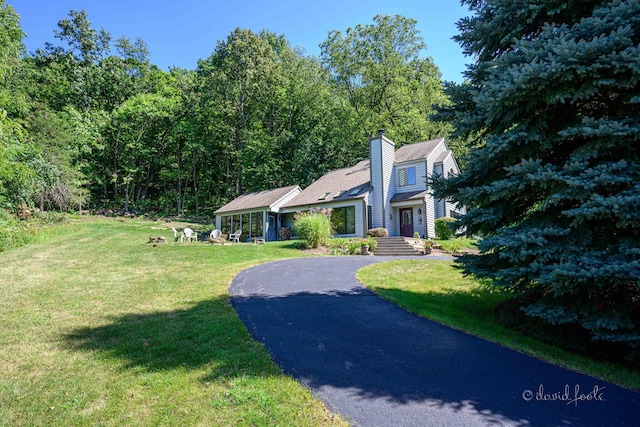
[{"x": 565, "y": 395}]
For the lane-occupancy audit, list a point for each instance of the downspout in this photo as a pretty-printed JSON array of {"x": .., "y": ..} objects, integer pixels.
[{"x": 384, "y": 196}]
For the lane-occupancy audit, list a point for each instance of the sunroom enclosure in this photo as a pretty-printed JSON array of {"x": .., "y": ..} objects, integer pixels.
[{"x": 251, "y": 224}]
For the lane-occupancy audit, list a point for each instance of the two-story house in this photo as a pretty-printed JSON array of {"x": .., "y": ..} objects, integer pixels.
[{"x": 389, "y": 190}]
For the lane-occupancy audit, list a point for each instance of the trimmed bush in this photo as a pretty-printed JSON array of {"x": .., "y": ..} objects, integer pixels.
[
  {"x": 444, "y": 229},
  {"x": 378, "y": 232},
  {"x": 313, "y": 228}
]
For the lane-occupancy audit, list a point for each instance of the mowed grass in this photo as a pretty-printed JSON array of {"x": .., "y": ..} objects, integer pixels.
[
  {"x": 97, "y": 327},
  {"x": 437, "y": 290}
]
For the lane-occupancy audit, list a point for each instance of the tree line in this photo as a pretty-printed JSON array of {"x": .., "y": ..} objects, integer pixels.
[{"x": 90, "y": 122}]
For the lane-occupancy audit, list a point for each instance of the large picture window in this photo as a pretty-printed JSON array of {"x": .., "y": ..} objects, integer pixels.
[
  {"x": 407, "y": 176},
  {"x": 343, "y": 220}
]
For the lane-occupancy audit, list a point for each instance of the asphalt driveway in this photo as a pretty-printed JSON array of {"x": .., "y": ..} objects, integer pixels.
[{"x": 377, "y": 365}]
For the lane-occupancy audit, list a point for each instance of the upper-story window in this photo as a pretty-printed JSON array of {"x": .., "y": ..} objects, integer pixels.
[{"x": 407, "y": 176}]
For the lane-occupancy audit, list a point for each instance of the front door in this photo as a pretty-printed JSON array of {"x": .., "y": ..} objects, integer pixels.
[
  {"x": 272, "y": 233},
  {"x": 406, "y": 222}
]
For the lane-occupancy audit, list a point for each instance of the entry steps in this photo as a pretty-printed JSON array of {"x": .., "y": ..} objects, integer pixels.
[{"x": 394, "y": 246}]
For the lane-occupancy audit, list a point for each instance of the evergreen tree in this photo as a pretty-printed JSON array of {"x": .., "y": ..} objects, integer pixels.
[{"x": 554, "y": 184}]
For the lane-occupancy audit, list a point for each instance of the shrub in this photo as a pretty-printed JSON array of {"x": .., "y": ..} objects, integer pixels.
[
  {"x": 444, "y": 229},
  {"x": 313, "y": 228},
  {"x": 378, "y": 232},
  {"x": 341, "y": 246}
]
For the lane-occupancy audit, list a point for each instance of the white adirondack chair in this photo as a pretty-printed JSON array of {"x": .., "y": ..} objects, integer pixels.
[
  {"x": 235, "y": 237},
  {"x": 190, "y": 235}
]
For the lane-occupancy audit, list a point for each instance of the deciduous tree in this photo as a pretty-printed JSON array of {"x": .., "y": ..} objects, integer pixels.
[{"x": 389, "y": 83}]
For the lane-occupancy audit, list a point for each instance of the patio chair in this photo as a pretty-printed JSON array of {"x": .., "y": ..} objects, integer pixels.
[
  {"x": 190, "y": 235},
  {"x": 177, "y": 235},
  {"x": 235, "y": 237},
  {"x": 216, "y": 237}
]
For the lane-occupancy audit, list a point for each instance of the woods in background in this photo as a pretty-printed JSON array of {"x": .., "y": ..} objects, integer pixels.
[{"x": 89, "y": 122}]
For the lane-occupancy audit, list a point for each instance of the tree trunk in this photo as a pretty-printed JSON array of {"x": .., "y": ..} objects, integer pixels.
[
  {"x": 195, "y": 185},
  {"x": 179, "y": 202}
]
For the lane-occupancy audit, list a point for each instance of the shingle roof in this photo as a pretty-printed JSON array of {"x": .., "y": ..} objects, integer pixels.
[
  {"x": 336, "y": 185},
  {"x": 442, "y": 156},
  {"x": 420, "y": 150},
  {"x": 413, "y": 195},
  {"x": 260, "y": 199}
]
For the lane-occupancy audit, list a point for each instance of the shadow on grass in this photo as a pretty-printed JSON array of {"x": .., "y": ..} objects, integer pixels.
[{"x": 208, "y": 333}]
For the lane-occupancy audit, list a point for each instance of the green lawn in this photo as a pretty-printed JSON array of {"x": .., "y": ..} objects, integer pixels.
[
  {"x": 99, "y": 328},
  {"x": 438, "y": 291}
]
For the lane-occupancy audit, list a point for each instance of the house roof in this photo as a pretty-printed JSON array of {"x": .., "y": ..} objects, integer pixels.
[
  {"x": 417, "y": 151},
  {"x": 342, "y": 184},
  {"x": 442, "y": 156},
  {"x": 413, "y": 195},
  {"x": 257, "y": 200}
]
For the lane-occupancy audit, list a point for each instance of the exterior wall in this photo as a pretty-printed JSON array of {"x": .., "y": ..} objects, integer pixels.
[
  {"x": 381, "y": 156},
  {"x": 449, "y": 165},
  {"x": 360, "y": 211},
  {"x": 421, "y": 174},
  {"x": 432, "y": 210},
  {"x": 419, "y": 219},
  {"x": 439, "y": 205}
]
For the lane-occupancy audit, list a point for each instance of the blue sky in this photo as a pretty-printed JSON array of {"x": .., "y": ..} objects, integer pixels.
[{"x": 179, "y": 32}]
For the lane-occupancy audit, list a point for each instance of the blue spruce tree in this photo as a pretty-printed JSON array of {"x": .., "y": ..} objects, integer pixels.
[{"x": 553, "y": 186}]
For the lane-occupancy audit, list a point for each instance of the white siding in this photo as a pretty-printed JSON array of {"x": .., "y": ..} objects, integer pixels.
[
  {"x": 439, "y": 205},
  {"x": 276, "y": 206},
  {"x": 450, "y": 165},
  {"x": 421, "y": 177},
  {"x": 382, "y": 155}
]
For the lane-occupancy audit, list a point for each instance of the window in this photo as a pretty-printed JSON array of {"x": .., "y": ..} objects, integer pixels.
[
  {"x": 355, "y": 191},
  {"x": 343, "y": 220},
  {"x": 324, "y": 196},
  {"x": 245, "y": 225},
  {"x": 407, "y": 176},
  {"x": 256, "y": 224}
]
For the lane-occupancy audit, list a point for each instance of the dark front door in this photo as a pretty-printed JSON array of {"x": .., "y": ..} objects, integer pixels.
[{"x": 406, "y": 222}]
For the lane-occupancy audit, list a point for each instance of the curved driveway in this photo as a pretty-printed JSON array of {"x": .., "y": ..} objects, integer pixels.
[{"x": 377, "y": 365}]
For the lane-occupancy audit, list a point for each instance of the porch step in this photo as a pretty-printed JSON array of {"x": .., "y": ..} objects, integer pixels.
[{"x": 394, "y": 246}]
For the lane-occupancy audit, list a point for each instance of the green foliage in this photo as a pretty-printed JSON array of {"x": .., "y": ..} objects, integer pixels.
[
  {"x": 389, "y": 83},
  {"x": 313, "y": 228},
  {"x": 345, "y": 246},
  {"x": 457, "y": 244},
  {"x": 15, "y": 233},
  {"x": 102, "y": 127},
  {"x": 554, "y": 183},
  {"x": 444, "y": 228}
]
